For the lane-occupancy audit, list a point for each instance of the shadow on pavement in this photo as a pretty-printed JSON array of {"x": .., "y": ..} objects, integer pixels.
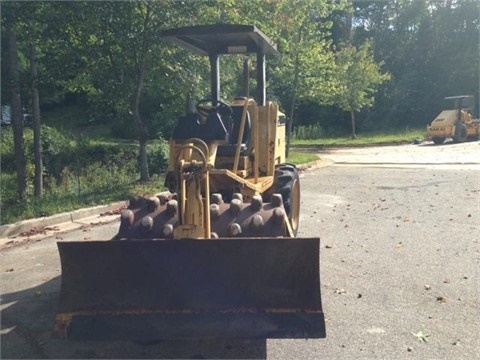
[{"x": 27, "y": 321}]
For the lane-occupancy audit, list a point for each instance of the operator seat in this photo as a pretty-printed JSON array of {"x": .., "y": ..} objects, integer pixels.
[
  {"x": 230, "y": 148},
  {"x": 189, "y": 126}
]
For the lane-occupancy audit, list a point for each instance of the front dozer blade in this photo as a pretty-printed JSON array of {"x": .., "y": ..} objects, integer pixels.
[{"x": 188, "y": 289}]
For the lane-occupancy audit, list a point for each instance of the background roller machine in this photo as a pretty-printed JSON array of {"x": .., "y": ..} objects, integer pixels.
[
  {"x": 217, "y": 256},
  {"x": 457, "y": 122}
]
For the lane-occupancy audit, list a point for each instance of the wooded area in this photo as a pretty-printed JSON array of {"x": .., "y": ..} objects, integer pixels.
[{"x": 345, "y": 66}]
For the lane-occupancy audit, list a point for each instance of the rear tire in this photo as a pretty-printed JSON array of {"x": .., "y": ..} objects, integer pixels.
[
  {"x": 460, "y": 133},
  {"x": 286, "y": 182}
]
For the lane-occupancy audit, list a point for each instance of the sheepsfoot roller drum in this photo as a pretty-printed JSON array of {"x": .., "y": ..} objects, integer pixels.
[{"x": 234, "y": 286}]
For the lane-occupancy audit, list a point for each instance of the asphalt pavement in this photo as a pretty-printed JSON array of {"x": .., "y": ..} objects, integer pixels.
[{"x": 399, "y": 229}]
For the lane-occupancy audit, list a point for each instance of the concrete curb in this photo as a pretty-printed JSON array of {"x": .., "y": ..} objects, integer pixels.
[
  {"x": 9, "y": 230},
  {"x": 320, "y": 163}
]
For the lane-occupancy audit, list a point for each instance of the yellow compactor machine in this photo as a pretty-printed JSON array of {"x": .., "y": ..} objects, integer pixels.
[
  {"x": 456, "y": 123},
  {"x": 217, "y": 256}
]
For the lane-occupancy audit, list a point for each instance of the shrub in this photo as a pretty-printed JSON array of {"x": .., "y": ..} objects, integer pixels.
[
  {"x": 6, "y": 150},
  {"x": 78, "y": 172},
  {"x": 124, "y": 128},
  {"x": 57, "y": 150},
  {"x": 157, "y": 153},
  {"x": 308, "y": 132}
]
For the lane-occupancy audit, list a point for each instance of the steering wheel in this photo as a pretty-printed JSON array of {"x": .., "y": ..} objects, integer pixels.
[{"x": 204, "y": 107}]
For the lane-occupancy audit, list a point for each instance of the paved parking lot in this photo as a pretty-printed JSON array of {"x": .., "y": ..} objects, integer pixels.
[{"x": 400, "y": 254}]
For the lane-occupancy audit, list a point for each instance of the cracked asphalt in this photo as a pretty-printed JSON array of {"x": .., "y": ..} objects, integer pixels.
[{"x": 399, "y": 229}]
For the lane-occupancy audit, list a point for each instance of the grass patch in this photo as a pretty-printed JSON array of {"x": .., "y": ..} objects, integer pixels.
[
  {"x": 400, "y": 137},
  {"x": 66, "y": 117},
  {"x": 298, "y": 158},
  {"x": 96, "y": 188},
  {"x": 77, "y": 173}
]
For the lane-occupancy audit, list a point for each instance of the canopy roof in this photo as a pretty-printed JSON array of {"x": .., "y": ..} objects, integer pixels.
[{"x": 221, "y": 39}]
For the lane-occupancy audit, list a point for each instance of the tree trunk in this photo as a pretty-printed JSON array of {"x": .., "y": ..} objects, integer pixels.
[
  {"x": 352, "y": 116},
  {"x": 142, "y": 131},
  {"x": 289, "y": 124},
  {"x": 37, "y": 142},
  {"x": 293, "y": 104},
  {"x": 142, "y": 134},
  {"x": 143, "y": 160},
  {"x": 142, "y": 137},
  {"x": 16, "y": 112},
  {"x": 348, "y": 28},
  {"x": 141, "y": 126}
]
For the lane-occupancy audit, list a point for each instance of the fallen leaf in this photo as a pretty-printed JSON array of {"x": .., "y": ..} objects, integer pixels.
[
  {"x": 114, "y": 212},
  {"x": 421, "y": 336}
]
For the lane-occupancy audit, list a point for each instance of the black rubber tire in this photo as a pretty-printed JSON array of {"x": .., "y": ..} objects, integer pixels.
[
  {"x": 286, "y": 182},
  {"x": 460, "y": 133},
  {"x": 438, "y": 140}
]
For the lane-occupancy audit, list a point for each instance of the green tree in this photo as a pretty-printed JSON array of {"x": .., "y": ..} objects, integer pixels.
[
  {"x": 120, "y": 44},
  {"x": 430, "y": 48},
  {"x": 358, "y": 77},
  {"x": 304, "y": 68},
  {"x": 33, "y": 16}
]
